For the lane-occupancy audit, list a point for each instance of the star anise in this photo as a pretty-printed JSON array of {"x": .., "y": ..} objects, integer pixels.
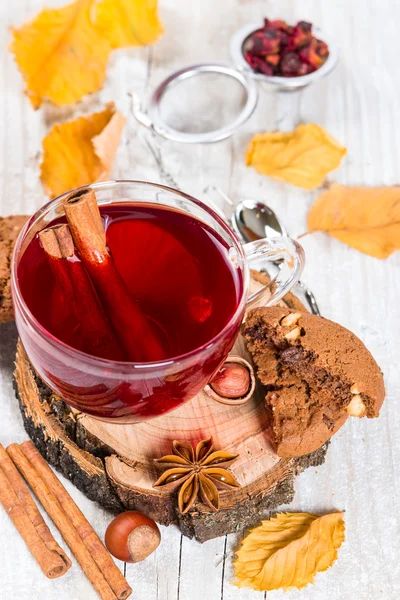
[{"x": 199, "y": 473}]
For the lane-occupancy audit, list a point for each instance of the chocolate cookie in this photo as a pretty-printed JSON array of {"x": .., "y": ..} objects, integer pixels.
[
  {"x": 315, "y": 372},
  {"x": 9, "y": 230}
]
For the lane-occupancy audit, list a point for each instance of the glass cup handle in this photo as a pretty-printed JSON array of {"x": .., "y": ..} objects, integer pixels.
[{"x": 289, "y": 254}]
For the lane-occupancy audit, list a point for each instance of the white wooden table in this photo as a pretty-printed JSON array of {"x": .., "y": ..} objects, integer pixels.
[{"x": 359, "y": 104}]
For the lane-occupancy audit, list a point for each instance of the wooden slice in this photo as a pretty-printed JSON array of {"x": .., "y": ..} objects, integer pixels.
[{"x": 113, "y": 463}]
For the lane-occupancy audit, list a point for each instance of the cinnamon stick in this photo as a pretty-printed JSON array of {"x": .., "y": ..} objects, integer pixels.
[
  {"x": 123, "y": 312},
  {"x": 22, "y": 510},
  {"x": 55, "y": 256},
  {"x": 93, "y": 206},
  {"x": 27, "y": 459},
  {"x": 98, "y": 336},
  {"x": 90, "y": 538}
]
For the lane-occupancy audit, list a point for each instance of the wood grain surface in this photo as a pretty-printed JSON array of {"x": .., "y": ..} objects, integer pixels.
[{"x": 359, "y": 104}]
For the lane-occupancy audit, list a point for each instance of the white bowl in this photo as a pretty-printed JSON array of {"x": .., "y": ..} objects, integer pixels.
[{"x": 282, "y": 83}]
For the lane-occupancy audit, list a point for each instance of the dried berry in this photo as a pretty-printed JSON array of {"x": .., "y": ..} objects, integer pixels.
[
  {"x": 305, "y": 69},
  {"x": 284, "y": 38},
  {"x": 290, "y": 64},
  {"x": 305, "y": 26},
  {"x": 259, "y": 65},
  {"x": 263, "y": 43},
  {"x": 301, "y": 37},
  {"x": 273, "y": 59},
  {"x": 315, "y": 54},
  {"x": 279, "y": 49}
]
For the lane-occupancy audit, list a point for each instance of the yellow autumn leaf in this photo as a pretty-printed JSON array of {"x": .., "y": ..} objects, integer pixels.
[
  {"x": 81, "y": 151},
  {"x": 63, "y": 52},
  {"x": 302, "y": 157},
  {"x": 366, "y": 218},
  {"x": 288, "y": 550},
  {"x": 129, "y": 22}
]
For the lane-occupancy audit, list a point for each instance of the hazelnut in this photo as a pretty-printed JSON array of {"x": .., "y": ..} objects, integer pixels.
[
  {"x": 290, "y": 319},
  {"x": 356, "y": 408},
  {"x": 132, "y": 536},
  {"x": 234, "y": 383},
  {"x": 231, "y": 381},
  {"x": 354, "y": 389},
  {"x": 294, "y": 334}
]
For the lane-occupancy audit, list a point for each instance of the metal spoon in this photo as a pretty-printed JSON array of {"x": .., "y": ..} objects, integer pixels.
[{"x": 254, "y": 220}]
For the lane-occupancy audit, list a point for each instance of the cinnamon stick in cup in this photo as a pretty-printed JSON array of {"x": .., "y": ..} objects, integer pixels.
[
  {"x": 120, "y": 308},
  {"x": 99, "y": 338},
  {"x": 89, "y": 551},
  {"x": 22, "y": 510},
  {"x": 94, "y": 209}
]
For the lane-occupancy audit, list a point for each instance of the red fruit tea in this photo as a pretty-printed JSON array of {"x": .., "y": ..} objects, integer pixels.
[{"x": 177, "y": 270}]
